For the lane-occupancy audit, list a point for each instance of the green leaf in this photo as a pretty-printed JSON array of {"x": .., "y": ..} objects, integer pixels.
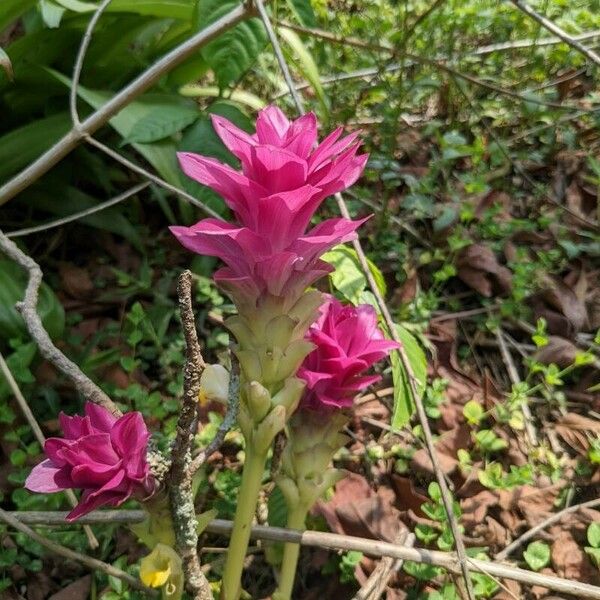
[
  {"x": 6, "y": 64},
  {"x": 161, "y": 122},
  {"x": 304, "y": 12},
  {"x": 348, "y": 277},
  {"x": 51, "y": 13},
  {"x": 594, "y": 554},
  {"x": 593, "y": 534},
  {"x": 13, "y": 281},
  {"x": 404, "y": 405},
  {"x": 421, "y": 571},
  {"x": 172, "y": 9},
  {"x": 238, "y": 96},
  {"x": 77, "y": 6},
  {"x": 21, "y": 146},
  {"x": 301, "y": 57},
  {"x": 537, "y": 555},
  {"x": 473, "y": 412},
  {"x": 232, "y": 53}
]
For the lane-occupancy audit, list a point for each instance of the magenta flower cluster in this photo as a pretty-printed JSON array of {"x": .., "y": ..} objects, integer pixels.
[
  {"x": 348, "y": 342},
  {"x": 102, "y": 455},
  {"x": 284, "y": 178}
]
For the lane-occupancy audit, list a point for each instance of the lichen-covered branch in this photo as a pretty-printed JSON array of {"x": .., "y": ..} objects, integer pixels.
[
  {"x": 181, "y": 493},
  {"x": 27, "y": 307}
]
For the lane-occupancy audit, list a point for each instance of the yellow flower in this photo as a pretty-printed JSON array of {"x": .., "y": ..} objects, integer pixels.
[
  {"x": 162, "y": 568},
  {"x": 214, "y": 384}
]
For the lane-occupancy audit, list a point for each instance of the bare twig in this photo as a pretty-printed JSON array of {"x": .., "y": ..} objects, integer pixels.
[
  {"x": 180, "y": 485},
  {"x": 92, "y": 563},
  {"x": 85, "y": 42},
  {"x": 139, "y": 85},
  {"x": 81, "y": 214},
  {"x": 554, "y": 518},
  {"x": 39, "y": 436},
  {"x": 515, "y": 379},
  {"x": 557, "y": 31},
  {"x": 378, "y": 579},
  {"x": 49, "y": 351},
  {"x": 412, "y": 381},
  {"x": 150, "y": 176},
  {"x": 319, "y": 539},
  {"x": 233, "y": 403}
]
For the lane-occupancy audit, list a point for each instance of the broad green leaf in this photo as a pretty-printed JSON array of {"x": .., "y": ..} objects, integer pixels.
[
  {"x": 232, "y": 53},
  {"x": 77, "y": 5},
  {"x": 73, "y": 200},
  {"x": 173, "y": 9},
  {"x": 594, "y": 554},
  {"x": 473, "y": 412},
  {"x": 13, "y": 281},
  {"x": 537, "y": 555},
  {"x": 6, "y": 64},
  {"x": 11, "y": 10},
  {"x": 348, "y": 277},
  {"x": 302, "y": 58},
  {"x": 304, "y": 12},
  {"x": 22, "y": 145},
  {"x": 238, "y": 96},
  {"x": 51, "y": 13},
  {"x": 593, "y": 534},
  {"x": 404, "y": 405},
  {"x": 161, "y": 122}
]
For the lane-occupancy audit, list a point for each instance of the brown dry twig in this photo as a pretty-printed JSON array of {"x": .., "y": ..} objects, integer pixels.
[
  {"x": 333, "y": 541},
  {"x": 33, "y": 322},
  {"x": 93, "y": 563},
  {"x": 180, "y": 486}
]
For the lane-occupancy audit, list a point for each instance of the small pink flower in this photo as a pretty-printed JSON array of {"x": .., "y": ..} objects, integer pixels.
[
  {"x": 100, "y": 454},
  {"x": 348, "y": 342},
  {"x": 284, "y": 179}
]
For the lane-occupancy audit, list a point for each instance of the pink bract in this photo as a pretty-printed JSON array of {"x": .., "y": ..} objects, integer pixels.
[
  {"x": 348, "y": 342},
  {"x": 284, "y": 178},
  {"x": 100, "y": 454}
]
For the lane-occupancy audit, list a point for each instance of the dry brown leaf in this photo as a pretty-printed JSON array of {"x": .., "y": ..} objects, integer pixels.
[
  {"x": 558, "y": 350},
  {"x": 75, "y": 281},
  {"x": 576, "y": 430},
  {"x": 475, "y": 508},
  {"x": 78, "y": 590},
  {"x": 479, "y": 268},
  {"x": 562, "y": 298},
  {"x": 447, "y": 446},
  {"x": 570, "y": 561}
]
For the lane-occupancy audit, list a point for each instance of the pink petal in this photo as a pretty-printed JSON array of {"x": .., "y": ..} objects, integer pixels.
[
  {"x": 271, "y": 125},
  {"x": 130, "y": 435},
  {"x": 100, "y": 418},
  {"x": 276, "y": 169},
  {"x": 237, "y": 141},
  {"x": 46, "y": 478}
]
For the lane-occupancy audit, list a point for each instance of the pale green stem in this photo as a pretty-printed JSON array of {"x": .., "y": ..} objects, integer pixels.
[
  {"x": 291, "y": 552},
  {"x": 242, "y": 524}
]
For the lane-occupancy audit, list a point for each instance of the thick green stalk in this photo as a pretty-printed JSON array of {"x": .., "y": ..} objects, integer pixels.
[
  {"x": 242, "y": 524},
  {"x": 291, "y": 552}
]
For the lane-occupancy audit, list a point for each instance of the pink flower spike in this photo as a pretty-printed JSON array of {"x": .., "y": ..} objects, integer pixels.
[
  {"x": 348, "y": 342},
  {"x": 102, "y": 455}
]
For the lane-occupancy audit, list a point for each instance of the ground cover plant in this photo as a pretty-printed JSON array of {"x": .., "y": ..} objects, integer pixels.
[{"x": 223, "y": 350}]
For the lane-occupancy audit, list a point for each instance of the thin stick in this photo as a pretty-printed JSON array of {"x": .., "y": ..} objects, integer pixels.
[
  {"x": 92, "y": 563},
  {"x": 515, "y": 379},
  {"x": 81, "y": 214},
  {"x": 97, "y": 119},
  {"x": 554, "y": 518},
  {"x": 49, "y": 351},
  {"x": 333, "y": 541},
  {"x": 151, "y": 177},
  {"x": 377, "y": 581},
  {"x": 85, "y": 42},
  {"x": 40, "y": 437},
  {"x": 556, "y": 30},
  {"x": 413, "y": 384},
  {"x": 180, "y": 485}
]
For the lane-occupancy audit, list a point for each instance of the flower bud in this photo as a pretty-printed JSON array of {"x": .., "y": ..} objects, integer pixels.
[
  {"x": 258, "y": 400},
  {"x": 214, "y": 384}
]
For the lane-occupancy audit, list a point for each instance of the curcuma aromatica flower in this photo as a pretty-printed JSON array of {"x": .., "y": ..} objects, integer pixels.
[
  {"x": 348, "y": 342},
  {"x": 101, "y": 454},
  {"x": 283, "y": 180}
]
